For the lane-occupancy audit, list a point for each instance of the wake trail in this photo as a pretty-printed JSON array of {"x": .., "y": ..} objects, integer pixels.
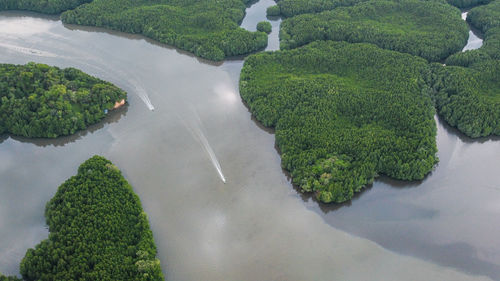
[
  {"x": 197, "y": 133},
  {"x": 28, "y": 51}
]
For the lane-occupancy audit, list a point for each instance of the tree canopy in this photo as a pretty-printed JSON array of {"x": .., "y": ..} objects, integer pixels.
[
  {"x": 487, "y": 20},
  {"x": 42, "y": 6},
  {"x": 264, "y": 26},
  {"x": 462, "y": 4},
  {"x": 98, "y": 231},
  {"x": 432, "y": 30},
  {"x": 468, "y": 88},
  {"x": 344, "y": 113},
  {"x": 8, "y": 278},
  {"x": 37, "y": 100},
  {"x": 468, "y": 98},
  {"x": 290, "y": 8},
  {"x": 208, "y": 28}
]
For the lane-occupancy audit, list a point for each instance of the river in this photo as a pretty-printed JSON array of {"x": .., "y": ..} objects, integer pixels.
[{"x": 255, "y": 226}]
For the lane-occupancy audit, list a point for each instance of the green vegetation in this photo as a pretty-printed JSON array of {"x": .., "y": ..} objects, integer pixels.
[
  {"x": 487, "y": 20},
  {"x": 264, "y": 26},
  {"x": 98, "y": 231},
  {"x": 344, "y": 113},
  {"x": 469, "y": 98},
  {"x": 208, "y": 28},
  {"x": 41, "y": 6},
  {"x": 37, "y": 100},
  {"x": 273, "y": 11},
  {"x": 468, "y": 89},
  {"x": 290, "y": 8},
  {"x": 9, "y": 278},
  {"x": 462, "y": 4},
  {"x": 485, "y": 17},
  {"x": 428, "y": 29}
]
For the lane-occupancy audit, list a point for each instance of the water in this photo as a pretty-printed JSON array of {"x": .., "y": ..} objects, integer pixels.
[
  {"x": 474, "y": 41},
  {"x": 27, "y": 51},
  {"x": 255, "y": 226},
  {"x": 197, "y": 132}
]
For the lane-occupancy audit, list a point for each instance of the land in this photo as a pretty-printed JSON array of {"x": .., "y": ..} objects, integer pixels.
[
  {"x": 37, "y": 100},
  {"x": 344, "y": 113},
  {"x": 428, "y": 29},
  {"x": 468, "y": 88},
  {"x": 98, "y": 231}
]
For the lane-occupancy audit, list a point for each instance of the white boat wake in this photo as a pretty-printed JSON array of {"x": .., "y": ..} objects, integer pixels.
[
  {"x": 142, "y": 94},
  {"x": 196, "y": 131},
  {"x": 27, "y": 51}
]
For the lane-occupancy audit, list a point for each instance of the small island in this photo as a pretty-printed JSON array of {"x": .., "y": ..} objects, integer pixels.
[
  {"x": 37, "y": 100},
  {"x": 98, "y": 231}
]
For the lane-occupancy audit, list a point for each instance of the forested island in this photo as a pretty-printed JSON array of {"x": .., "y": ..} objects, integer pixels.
[
  {"x": 428, "y": 29},
  {"x": 37, "y": 100},
  {"x": 344, "y": 113},
  {"x": 98, "y": 231},
  {"x": 207, "y": 28}
]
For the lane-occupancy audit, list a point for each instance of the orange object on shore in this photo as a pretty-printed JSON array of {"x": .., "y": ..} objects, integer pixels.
[{"x": 119, "y": 104}]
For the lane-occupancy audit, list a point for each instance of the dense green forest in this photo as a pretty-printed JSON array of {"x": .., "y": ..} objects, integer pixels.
[
  {"x": 468, "y": 89},
  {"x": 462, "y": 4},
  {"x": 487, "y": 20},
  {"x": 41, "y": 6},
  {"x": 427, "y": 29},
  {"x": 37, "y": 100},
  {"x": 344, "y": 113},
  {"x": 290, "y": 8},
  {"x": 469, "y": 98},
  {"x": 208, "y": 28},
  {"x": 9, "y": 278},
  {"x": 264, "y": 26},
  {"x": 98, "y": 231},
  {"x": 485, "y": 17}
]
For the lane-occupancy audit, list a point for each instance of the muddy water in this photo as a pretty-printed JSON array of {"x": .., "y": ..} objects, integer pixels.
[{"x": 253, "y": 227}]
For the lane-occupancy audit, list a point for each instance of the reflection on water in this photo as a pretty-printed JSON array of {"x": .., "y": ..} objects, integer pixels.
[
  {"x": 254, "y": 227},
  {"x": 448, "y": 218}
]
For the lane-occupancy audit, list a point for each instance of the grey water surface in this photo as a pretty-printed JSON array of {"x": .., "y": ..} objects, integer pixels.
[
  {"x": 255, "y": 226},
  {"x": 475, "y": 40}
]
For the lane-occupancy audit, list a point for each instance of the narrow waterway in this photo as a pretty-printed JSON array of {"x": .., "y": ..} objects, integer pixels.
[
  {"x": 475, "y": 40},
  {"x": 255, "y": 226}
]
